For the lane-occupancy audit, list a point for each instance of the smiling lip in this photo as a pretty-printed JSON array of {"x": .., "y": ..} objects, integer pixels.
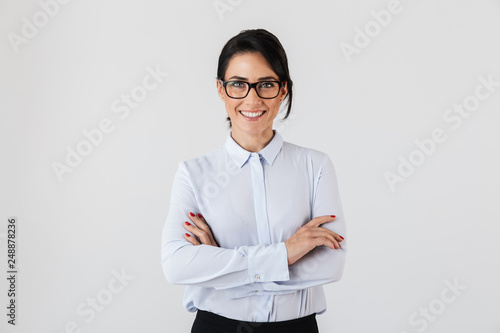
[{"x": 250, "y": 113}]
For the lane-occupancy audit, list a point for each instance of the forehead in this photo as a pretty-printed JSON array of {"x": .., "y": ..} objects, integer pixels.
[{"x": 249, "y": 65}]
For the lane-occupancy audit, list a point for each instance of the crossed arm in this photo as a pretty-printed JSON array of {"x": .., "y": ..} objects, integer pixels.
[
  {"x": 312, "y": 256},
  {"x": 304, "y": 240}
]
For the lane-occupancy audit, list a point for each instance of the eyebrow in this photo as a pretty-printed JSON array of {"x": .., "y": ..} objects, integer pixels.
[{"x": 259, "y": 79}]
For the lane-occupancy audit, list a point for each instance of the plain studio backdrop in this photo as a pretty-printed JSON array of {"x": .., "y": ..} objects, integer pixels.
[{"x": 99, "y": 101}]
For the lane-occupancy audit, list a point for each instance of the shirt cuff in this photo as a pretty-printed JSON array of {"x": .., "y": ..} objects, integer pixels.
[{"x": 268, "y": 263}]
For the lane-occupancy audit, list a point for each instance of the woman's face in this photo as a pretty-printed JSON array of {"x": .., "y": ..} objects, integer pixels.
[{"x": 251, "y": 67}]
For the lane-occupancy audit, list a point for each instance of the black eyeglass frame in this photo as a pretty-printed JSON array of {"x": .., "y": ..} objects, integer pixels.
[{"x": 250, "y": 86}]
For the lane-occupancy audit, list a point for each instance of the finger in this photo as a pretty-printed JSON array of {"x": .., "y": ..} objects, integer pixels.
[
  {"x": 317, "y": 221},
  {"x": 313, "y": 237},
  {"x": 201, "y": 234},
  {"x": 337, "y": 237},
  {"x": 332, "y": 244},
  {"x": 319, "y": 241},
  {"x": 191, "y": 239},
  {"x": 334, "y": 240},
  {"x": 326, "y": 242},
  {"x": 320, "y": 229},
  {"x": 193, "y": 229},
  {"x": 201, "y": 223},
  {"x": 320, "y": 232},
  {"x": 209, "y": 230}
]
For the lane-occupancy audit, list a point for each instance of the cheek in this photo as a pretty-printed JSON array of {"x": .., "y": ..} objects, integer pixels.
[
  {"x": 274, "y": 106},
  {"x": 231, "y": 105}
]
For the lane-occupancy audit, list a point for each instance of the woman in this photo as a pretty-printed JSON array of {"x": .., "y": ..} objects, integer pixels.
[{"x": 255, "y": 227}]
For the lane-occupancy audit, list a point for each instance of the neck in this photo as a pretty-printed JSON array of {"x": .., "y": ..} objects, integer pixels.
[{"x": 252, "y": 142}]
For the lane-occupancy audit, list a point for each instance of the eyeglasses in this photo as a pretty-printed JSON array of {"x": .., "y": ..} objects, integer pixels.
[{"x": 240, "y": 89}]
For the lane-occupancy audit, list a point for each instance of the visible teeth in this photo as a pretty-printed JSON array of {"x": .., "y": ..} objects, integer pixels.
[{"x": 252, "y": 114}]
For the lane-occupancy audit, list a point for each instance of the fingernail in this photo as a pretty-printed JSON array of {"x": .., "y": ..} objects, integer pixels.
[
  {"x": 199, "y": 215},
  {"x": 341, "y": 237},
  {"x": 187, "y": 223},
  {"x": 187, "y": 235},
  {"x": 191, "y": 214},
  {"x": 332, "y": 215}
]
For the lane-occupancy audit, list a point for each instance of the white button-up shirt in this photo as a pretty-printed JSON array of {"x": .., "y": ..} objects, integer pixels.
[{"x": 253, "y": 202}]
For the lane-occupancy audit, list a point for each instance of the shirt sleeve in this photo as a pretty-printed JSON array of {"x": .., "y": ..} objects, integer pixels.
[
  {"x": 210, "y": 266},
  {"x": 321, "y": 265}
]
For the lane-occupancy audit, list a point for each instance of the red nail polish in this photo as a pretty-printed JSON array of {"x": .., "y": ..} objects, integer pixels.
[
  {"x": 187, "y": 223},
  {"x": 191, "y": 214},
  {"x": 199, "y": 215},
  {"x": 187, "y": 235},
  {"x": 341, "y": 237},
  {"x": 332, "y": 215}
]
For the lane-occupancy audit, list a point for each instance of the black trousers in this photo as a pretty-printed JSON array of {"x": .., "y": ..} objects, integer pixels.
[{"x": 208, "y": 322}]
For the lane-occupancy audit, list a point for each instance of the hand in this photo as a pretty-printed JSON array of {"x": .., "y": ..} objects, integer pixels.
[
  {"x": 200, "y": 229},
  {"x": 310, "y": 236}
]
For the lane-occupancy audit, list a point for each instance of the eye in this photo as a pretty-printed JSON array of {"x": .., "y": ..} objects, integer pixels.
[
  {"x": 268, "y": 85},
  {"x": 236, "y": 84}
]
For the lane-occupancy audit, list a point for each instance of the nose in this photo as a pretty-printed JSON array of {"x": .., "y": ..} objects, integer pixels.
[{"x": 253, "y": 97}]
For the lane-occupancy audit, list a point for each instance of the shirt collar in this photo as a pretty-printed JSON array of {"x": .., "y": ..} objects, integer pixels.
[{"x": 240, "y": 155}]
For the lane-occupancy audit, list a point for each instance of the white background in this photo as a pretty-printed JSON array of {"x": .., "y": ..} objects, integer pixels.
[{"x": 440, "y": 224}]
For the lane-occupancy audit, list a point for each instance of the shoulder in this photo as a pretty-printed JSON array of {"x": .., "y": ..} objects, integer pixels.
[
  {"x": 297, "y": 152},
  {"x": 202, "y": 163},
  {"x": 314, "y": 162}
]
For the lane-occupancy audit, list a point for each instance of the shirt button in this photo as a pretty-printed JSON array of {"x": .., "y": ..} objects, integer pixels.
[
  {"x": 255, "y": 291},
  {"x": 257, "y": 277}
]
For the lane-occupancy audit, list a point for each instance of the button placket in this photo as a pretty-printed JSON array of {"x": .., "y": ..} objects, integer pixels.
[
  {"x": 260, "y": 198},
  {"x": 262, "y": 222}
]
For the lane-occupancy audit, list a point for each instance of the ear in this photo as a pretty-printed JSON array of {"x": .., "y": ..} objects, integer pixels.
[
  {"x": 284, "y": 91},
  {"x": 220, "y": 89}
]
